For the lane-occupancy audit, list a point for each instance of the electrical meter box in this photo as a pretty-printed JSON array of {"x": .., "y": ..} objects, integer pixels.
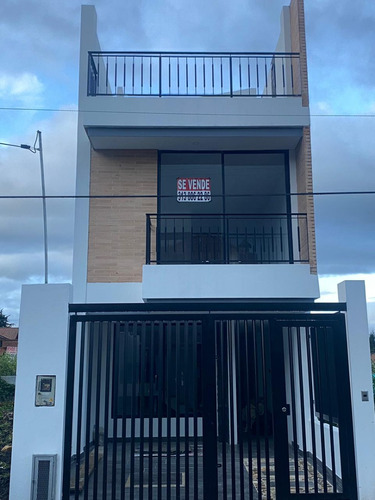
[{"x": 45, "y": 390}]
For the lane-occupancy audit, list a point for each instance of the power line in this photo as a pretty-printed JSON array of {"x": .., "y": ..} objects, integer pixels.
[
  {"x": 141, "y": 196},
  {"x": 314, "y": 115}
]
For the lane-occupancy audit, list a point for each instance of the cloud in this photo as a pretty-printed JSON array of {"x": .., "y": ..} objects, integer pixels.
[
  {"x": 21, "y": 223},
  {"x": 21, "y": 86},
  {"x": 328, "y": 291}
]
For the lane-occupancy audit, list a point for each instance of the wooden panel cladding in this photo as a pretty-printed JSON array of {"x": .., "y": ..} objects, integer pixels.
[{"x": 117, "y": 235}]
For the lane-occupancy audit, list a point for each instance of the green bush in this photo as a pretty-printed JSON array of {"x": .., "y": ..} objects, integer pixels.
[
  {"x": 8, "y": 364},
  {"x": 6, "y": 391},
  {"x": 6, "y": 426}
]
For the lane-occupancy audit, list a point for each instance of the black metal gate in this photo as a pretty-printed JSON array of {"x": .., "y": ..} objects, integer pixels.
[{"x": 208, "y": 405}]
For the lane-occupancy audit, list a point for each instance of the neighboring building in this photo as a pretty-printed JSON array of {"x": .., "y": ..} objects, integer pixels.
[
  {"x": 199, "y": 364},
  {"x": 8, "y": 340}
]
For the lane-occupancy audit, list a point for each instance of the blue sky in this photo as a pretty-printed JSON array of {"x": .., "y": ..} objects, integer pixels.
[{"x": 40, "y": 71}]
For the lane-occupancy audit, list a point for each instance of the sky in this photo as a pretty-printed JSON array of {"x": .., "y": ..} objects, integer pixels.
[{"x": 39, "y": 91}]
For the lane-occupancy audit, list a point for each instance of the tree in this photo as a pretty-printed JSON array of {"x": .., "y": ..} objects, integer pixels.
[
  {"x": 372, "y": 342},
  {"x": 4, "y": 323}
]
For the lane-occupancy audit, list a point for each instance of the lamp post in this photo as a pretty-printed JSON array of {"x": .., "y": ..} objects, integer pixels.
[{"x": 33, "y": 149}]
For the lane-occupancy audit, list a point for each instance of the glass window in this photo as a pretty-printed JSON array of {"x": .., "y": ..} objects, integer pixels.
[{"x": 223, "y": 207}]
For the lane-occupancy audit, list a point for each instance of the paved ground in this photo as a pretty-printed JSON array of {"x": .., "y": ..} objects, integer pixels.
[{"x": 182, "y": 475}]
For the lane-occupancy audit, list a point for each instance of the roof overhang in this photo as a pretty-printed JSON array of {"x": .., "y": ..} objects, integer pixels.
[{"x": 194, "y": 138}]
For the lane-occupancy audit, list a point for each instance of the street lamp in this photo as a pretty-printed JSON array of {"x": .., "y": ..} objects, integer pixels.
[{"x": 34, "y": 149}]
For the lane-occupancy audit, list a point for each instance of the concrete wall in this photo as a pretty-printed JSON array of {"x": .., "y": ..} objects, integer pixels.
[
  {"x": 222, "y": 281},
  {"x": 353, "y": 293},
  {"x": 42, "y": 350}
]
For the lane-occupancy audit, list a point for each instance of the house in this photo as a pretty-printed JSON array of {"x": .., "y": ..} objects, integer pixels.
[
  {"x": 189, "y": 358},
  {"x": 8, "y": 340}
]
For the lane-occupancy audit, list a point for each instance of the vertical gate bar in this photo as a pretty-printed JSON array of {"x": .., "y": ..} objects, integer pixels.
[
  {"x": 169, "y": 374},
  {"x": 151, "y": 409},
  {"x": 79, "y": 410},
  {"x": 264, "y": 337},
  {"x": 178, "y": 391},
  {"x": 142, "y": 368},
  {"x": 312, "y": 410},
  {"x": 294, "y": 414},
  {"x": 210, "y": 486},
  {"x": 97, "y": 405},
  {"x": 69, "y": 402},
  {"x": 278, "y": 384},
  {"x": 330, "y": 391},
  {"x": 249, "y": 330},
  {"x": 188, "y": 392},
  {"x": 160, "y": 403},
  {"x": 196, "y": 383},
  {"x": 187, "y": 75},
  {"x": 88, "y": 410},
  {"x": 321, "y": 416},
  {"x": 134, "y": 401},
  {"x": 257, "y": 429},
  {"x": 124, "y": 358},
  {"x": 224, "y": 398},
  {"x": 303, "y": 416},
  {"x": 231, "y": 411},
  {"x": 115, "y": 384},
  {"x": 109, "y": 331},
  {"x": 238, "y": 350}
]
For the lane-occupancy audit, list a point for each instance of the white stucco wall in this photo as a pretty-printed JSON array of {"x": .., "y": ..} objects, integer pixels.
[
  {"x": 42, "y": 350},
  {"x": 216, "y": 281}
]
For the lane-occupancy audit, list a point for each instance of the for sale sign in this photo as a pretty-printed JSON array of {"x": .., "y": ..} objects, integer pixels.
[{"x": 193, "y": 189}]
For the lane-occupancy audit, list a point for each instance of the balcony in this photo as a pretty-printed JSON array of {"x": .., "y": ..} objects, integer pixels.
[
  {"x": 253, "y": 74},
  {"x": 226, "y": 239}
]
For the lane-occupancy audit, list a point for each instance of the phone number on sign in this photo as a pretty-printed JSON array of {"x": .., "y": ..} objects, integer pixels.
[{"x": 193, "y": 196}]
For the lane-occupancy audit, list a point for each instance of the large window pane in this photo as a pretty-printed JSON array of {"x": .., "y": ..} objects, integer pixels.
[
  {"x": 255, "y": 207},
  {"x": 191, "y": 227}
]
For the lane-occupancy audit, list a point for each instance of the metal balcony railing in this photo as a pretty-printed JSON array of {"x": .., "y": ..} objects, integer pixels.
[
  {"x": 252, "y": 74},
  {"x": 226, "y": 239}
]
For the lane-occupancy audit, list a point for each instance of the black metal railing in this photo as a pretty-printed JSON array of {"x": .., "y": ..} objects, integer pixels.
[
  {"x": 194, "y": 74},
  {"x": 226, "y": 239}
]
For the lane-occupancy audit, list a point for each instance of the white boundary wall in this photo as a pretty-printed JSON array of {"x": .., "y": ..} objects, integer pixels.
[
  {"x": 353, "y": 293},
  {"x": 42, "y": 350}
]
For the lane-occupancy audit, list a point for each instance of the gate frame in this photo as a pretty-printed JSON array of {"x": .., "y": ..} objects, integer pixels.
[{"x": 277, "y": 312}]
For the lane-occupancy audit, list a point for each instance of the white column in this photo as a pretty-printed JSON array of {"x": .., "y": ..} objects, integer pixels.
[
  {"x": 353, "y": 293},
  {"x": 42, "y": 350}
]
